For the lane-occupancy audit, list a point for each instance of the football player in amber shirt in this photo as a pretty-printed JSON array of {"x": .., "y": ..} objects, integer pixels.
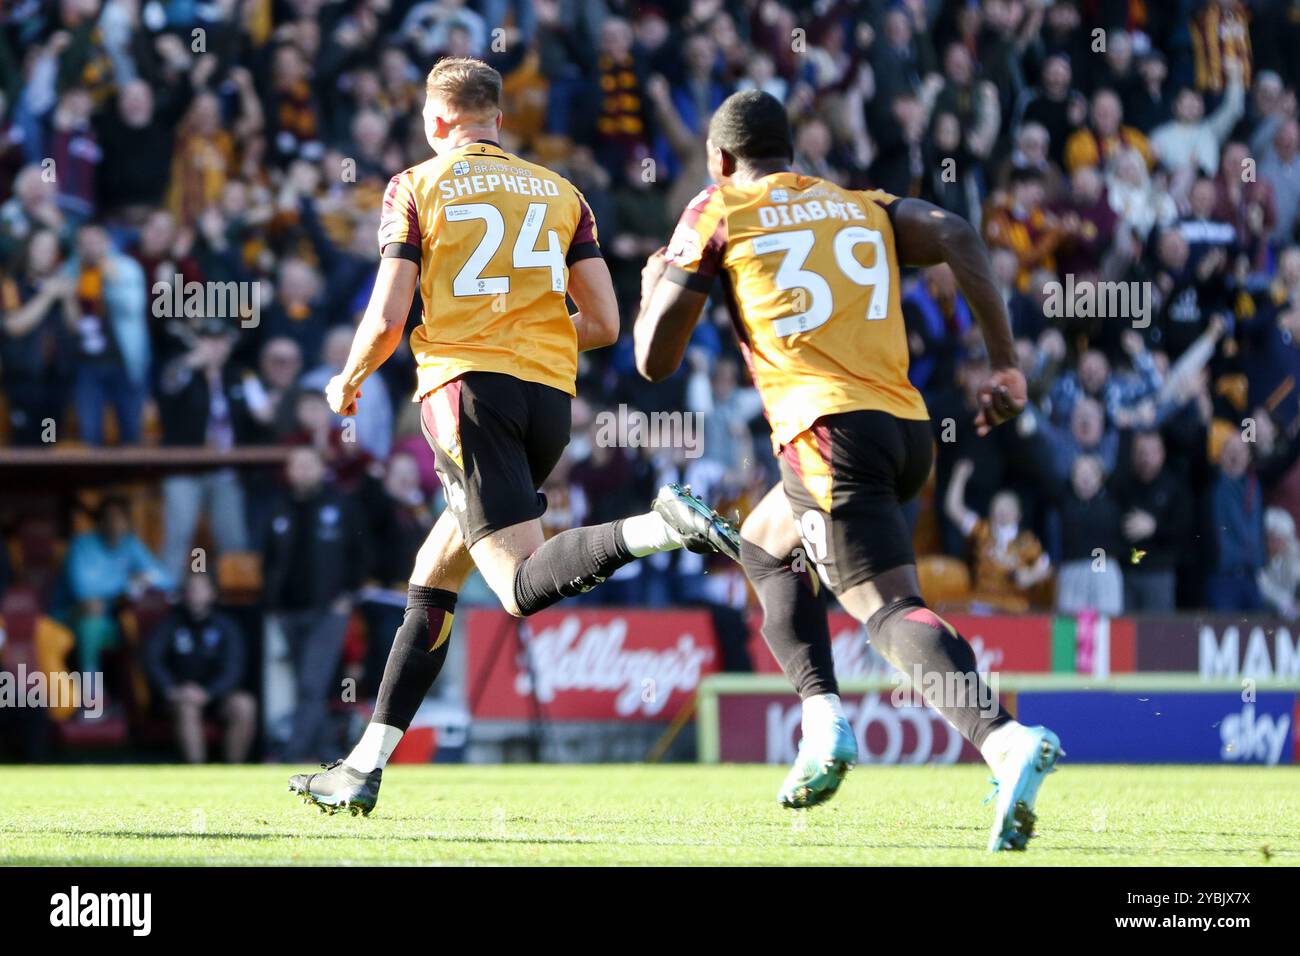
[
  {"x": 810, "y": 274},
  {"x": 493, "y": 243}
]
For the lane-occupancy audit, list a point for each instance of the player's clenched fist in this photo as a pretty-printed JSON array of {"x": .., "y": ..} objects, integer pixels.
[
  {"x": 342, "y": 396},
  {"x": 1002, "y": 398}
]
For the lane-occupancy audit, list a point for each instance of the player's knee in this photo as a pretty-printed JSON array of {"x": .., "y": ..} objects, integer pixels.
[
  {"x": 511, "y": 605},
  {"x": 757, "y": 529},
  {"x": 241, "y": 707}
]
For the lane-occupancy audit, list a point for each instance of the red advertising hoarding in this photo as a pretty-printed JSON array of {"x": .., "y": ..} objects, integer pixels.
[{"x": 587, "y": 665}]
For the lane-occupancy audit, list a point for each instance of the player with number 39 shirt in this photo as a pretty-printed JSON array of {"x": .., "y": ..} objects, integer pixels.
[{"x": 809, "y": 272}]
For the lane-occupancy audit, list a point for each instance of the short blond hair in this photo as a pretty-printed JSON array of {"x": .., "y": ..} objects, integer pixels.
[{"x": 469, "y": 86}]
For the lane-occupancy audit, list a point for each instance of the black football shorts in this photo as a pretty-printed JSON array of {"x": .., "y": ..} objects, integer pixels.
[
  {"x": 846, "y": 478},
  {"x": 495, "y": 438}
]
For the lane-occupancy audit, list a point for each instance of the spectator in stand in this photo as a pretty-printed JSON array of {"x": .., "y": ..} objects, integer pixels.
[
  {"x": 1088, "y": 380},
  {"x": 1147, "y": 103},
  {"x": 903, "y": 54},
  {"x": 1279, "y": 579},
  {"x": 1246, "y": 203},
  {"x": 373, "y": 422},
  {"x": 1033, "y": 151},
  {"x": 203, "y": 159},
  {"x": 637, "y": 226},
  {"x": 1058, "y": 447},
  {"x": 622, "y": 125},
  {"x": 701, "y": 90},
  {"x": 1236, "y": 530},
  {"x": 347, "y": 463},
  {"x": 164, "y": 255},
  {"x": 938, "y": 322},
  {"x": 1022, "y": 224},
  {"x": 948, "y": 154},
  {"x": 812, "y": 149},
  {"x": 1271, "y": 104},
  {"x": 1128, "y": 397},
  {"x": 605, "y": 482},
  {"x": 974, "y": 101},
  {"x": 195, "y": 661},
  {"x": 1104, "y": 135},
  {"x": 1279, "y": 166},
  {"x": 400, "y": 519},
  {"x": 1089, "y": 578},
  {"x": 294, "y": 127},
  {"x": 1087, "y": 222},
  {"x": 74, "y": 153},
  {"x": 1220, "y": 32},
  {"x": 203, "y": 404},
  {"x": 278, "y": 368},
  {"x": 104, "y": 567},
  {"x": 32, "y": 206},
  {"x": 112, "y": 337},
  {"x": 1055, "y": 106},
  {"x": 1191, "y": 140},
  {"x": 1204, "y": 233},
  {"x": 760, "y": 74},
  {"x": 137, "y": 137},
  {"x": 900, "y": 145},
  {"x": 429, "y": 25},
  {"x": 316, "y": 558},
  {"x": 727, "y": 407},
  {"x": 297, "y": 312},
  {"x": 1140, "y": 203},
  {"x": 409, "y": 440},
  {"x": 1157, "y": 522},
  {"x": 39, "y": 309},
  {"x": 1007, "y": 559},
  {"x": 1025, "y": 310},
  {"x": 1185, "y": 296}
]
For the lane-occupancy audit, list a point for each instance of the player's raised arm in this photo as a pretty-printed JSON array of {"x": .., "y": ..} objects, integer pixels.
[
  {"x": 593, "y": 292},
  {"x": 669, "y": 312},
  {"x": 926, "y": 235},
  {"x": 378, "y": 333},
  {"x": 675, "y": 285}
]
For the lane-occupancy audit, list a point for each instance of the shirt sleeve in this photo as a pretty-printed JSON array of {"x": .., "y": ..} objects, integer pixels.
[
  {"x": 585, "y": 244},
  {"x": 399, "y": 223},
  {"x": 695, "y": 251},
  {"x": 880, "y": 197},
  {"x": 884, "y": 200}
]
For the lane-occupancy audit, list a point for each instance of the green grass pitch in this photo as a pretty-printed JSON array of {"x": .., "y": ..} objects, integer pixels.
[{"x": 685, "y": 814}]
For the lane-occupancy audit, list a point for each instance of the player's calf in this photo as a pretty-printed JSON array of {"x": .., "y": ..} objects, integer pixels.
[{"x": 577, "y": 560}]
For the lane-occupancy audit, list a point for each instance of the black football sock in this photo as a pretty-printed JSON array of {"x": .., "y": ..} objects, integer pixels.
[
  {"x": 926, "y": 647},
  {"x": 794, "y": 620},
  {"x": 419, "y": 651},
  {"x": 568, "y": 564}
]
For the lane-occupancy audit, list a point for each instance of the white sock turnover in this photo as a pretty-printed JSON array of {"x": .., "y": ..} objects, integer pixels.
[
  {"x": 998, "y": 742},
  {"x": 374, "y": 748},
  {"x": 648, "y": 533},
  {"x": 819, "y": 712}
]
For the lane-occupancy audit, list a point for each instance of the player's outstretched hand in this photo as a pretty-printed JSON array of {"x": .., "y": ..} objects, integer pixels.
[
  {"x": 342, "y": 397},
  {"x": 1002, "y": 398}
]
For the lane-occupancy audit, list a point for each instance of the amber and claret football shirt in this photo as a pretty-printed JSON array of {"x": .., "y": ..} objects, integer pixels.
[
  {"x": 494, "y": 236},
  {"x": 811, "y": 278}
]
